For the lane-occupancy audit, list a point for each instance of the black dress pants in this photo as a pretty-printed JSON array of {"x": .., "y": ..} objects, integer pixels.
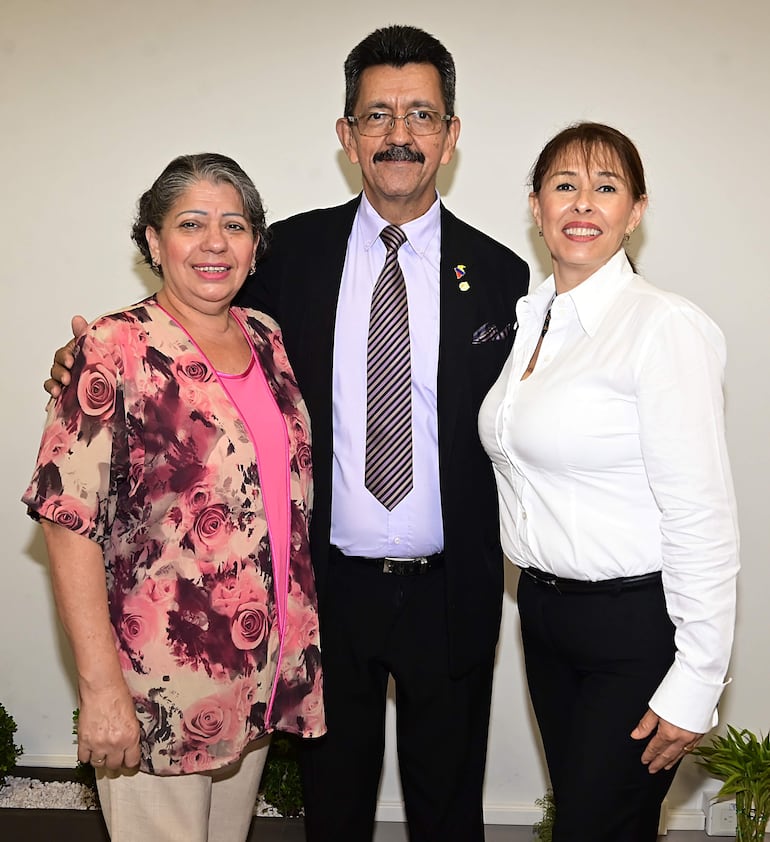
[
  {"x": 375, "y": 625},
  {"x": 593, "y": 662}
]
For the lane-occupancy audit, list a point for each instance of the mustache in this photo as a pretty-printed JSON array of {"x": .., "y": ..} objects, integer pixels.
[{"x": 400, "y": 153}]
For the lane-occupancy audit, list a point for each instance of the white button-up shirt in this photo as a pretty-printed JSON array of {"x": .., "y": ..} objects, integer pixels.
[{"x": 611, "y": 460}]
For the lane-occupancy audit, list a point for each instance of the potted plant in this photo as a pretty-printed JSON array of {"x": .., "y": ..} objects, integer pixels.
[
  {"x": 9, "y": 751},
  {"x": 543, "y": 829},
  {"x": 742, "y": 761},
  {"x": 84, "y": 772},
  {"x": 281, "y": 785}
]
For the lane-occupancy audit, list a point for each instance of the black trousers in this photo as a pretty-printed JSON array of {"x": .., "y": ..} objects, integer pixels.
[
  {"x": 593, "y": 661},
  {"x": 375, "y": 625}
]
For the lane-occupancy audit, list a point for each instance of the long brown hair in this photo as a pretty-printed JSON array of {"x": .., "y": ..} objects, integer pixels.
[{"x": 592, "y": 141}]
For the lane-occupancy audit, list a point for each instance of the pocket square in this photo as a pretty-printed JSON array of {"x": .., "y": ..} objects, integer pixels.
[{"x": 490, "y": 333}]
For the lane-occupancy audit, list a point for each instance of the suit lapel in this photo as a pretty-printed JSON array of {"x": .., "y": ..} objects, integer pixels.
[
  {"x": 456, "y": 316},
  {"x": 319, "y": 278},
  {"x": 323, "y": 266}
]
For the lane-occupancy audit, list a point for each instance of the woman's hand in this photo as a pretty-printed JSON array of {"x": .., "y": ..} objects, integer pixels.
[
  {"x": 668, "y": 746},
  {"x": 108, "y": 730}
]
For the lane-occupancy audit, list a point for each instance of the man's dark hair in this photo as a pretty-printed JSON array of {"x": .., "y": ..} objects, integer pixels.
[{"x": 397, "y": 46}]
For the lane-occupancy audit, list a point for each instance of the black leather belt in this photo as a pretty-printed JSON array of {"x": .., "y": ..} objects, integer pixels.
[
  {"x": 397, "y": 566},
  {"x": 625, "y": 583}
]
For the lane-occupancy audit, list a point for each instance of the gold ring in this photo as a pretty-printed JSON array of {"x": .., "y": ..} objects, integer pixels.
[{"x": 688, "y": 749}]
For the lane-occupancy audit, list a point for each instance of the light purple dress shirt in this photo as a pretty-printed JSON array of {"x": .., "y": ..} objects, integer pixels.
[{"x": 360, "y": 524}]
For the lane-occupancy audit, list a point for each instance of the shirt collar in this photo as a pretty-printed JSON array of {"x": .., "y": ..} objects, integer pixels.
[
  {"x": 419, "y": 232},
  {"x": 590, "y": 300},
  {"x": 594, "y": 297},
  {"x": 534, "y": 305}
]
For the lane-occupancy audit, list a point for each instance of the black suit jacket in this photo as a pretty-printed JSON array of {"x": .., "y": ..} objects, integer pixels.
[{"x": 298, "y": 284}]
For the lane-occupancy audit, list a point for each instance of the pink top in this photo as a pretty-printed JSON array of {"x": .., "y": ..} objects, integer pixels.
[{"x": 252, "y": 397}]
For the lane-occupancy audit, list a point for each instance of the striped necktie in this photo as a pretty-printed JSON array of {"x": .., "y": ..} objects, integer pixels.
[{"x": 388, "y": 473}]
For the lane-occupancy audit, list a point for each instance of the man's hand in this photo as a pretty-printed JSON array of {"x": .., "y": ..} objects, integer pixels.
[
  {"x": 668, "y": 746},
  {"x": 63, "y": 360}
]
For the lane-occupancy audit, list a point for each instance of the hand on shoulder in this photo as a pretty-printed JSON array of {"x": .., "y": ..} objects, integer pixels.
[{"x": 63, "y": 359}]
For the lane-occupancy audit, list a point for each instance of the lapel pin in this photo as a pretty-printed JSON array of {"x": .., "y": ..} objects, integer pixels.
[{"x": 464, "y": 286}]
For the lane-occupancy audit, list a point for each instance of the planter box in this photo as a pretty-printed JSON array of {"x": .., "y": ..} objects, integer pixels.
[
  {"x": 30, "y": 825},
  {"x": 26, "y": 824}
]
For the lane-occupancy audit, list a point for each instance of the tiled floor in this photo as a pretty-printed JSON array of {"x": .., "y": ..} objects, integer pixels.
[{"x": 79, "y": 826}]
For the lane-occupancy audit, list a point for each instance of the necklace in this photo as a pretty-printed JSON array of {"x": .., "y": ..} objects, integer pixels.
[
  {"x": 546, "y": 324},
  {"x": 547, "y": 320}
]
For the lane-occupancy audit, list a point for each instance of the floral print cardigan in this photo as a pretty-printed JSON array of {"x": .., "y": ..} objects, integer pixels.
[{"x": 145, "y": 454}]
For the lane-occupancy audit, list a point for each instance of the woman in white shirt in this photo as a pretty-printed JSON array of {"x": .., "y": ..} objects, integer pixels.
[{"x": 606, "y": 431}]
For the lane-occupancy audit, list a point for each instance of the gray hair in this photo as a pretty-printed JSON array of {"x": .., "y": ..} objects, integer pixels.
[{"x": 185, "y": 172}]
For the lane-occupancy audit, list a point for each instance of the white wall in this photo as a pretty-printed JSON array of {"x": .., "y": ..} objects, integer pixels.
[{"x": 96, "y": 97}]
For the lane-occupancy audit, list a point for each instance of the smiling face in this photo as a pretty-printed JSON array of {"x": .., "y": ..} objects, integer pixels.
[
  {"x": 205, "y": 248},
  {"x": 584, "y": 209},
  {"x": 399, "y": 170}
]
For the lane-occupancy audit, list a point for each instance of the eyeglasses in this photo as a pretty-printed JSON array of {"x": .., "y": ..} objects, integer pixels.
[{"x": 420, "y": 122}]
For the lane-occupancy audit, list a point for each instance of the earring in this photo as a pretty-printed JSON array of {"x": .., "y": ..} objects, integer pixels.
[
  {"x": 627, "y": 236},
  {"x": 253, "y": 266},
  {"x": 539, "y": 232},
  {"x": 155, "y": 264}
]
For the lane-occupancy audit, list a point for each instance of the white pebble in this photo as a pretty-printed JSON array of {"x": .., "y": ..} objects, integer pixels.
[
  {"x": 68, "y": 795},
  {"x": 55, "y": 795}
]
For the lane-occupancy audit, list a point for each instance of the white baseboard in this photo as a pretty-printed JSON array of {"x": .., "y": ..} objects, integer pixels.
[
  {"x": 49, "y": 761},
  {"x": 390, "y": 811},
  {"x": 686, "y": 820},
  {"x": 510, "y": 814},
  {"x": 526, "y": 814}
]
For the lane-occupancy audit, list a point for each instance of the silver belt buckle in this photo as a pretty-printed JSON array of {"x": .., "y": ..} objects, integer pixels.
[{"x": 392, "y": 565}]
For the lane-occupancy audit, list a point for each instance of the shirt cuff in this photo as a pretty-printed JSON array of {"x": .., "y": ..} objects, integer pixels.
[{"x": 686, "y": 701}]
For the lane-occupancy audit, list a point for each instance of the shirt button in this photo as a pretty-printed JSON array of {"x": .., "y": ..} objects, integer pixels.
[
  {"x": 396, "y": 540},
  {"x": 523, "y": 514}
]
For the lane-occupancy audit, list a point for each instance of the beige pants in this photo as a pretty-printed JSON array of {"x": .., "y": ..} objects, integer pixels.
[{"x": 202, "y": 807}]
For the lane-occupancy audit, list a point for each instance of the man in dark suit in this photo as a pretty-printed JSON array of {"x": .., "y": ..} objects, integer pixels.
[
  {"x": 408, "y": 587},
  {"x": 431, "y": 618}
]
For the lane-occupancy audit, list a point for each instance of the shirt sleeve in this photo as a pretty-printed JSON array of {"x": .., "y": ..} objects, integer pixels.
[
  {"x": 681, "y": 417},
  {"x": 74, "y": 474}
]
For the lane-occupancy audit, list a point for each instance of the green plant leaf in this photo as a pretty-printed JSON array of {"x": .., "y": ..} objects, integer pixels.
[
  {"x": 281, "y": 783},
  {"x": 742, "y": 762},
  {"x": 9, "y": 751}
]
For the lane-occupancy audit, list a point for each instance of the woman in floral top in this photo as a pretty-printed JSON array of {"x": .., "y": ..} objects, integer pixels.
[{"x": 174, "y": 489}]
